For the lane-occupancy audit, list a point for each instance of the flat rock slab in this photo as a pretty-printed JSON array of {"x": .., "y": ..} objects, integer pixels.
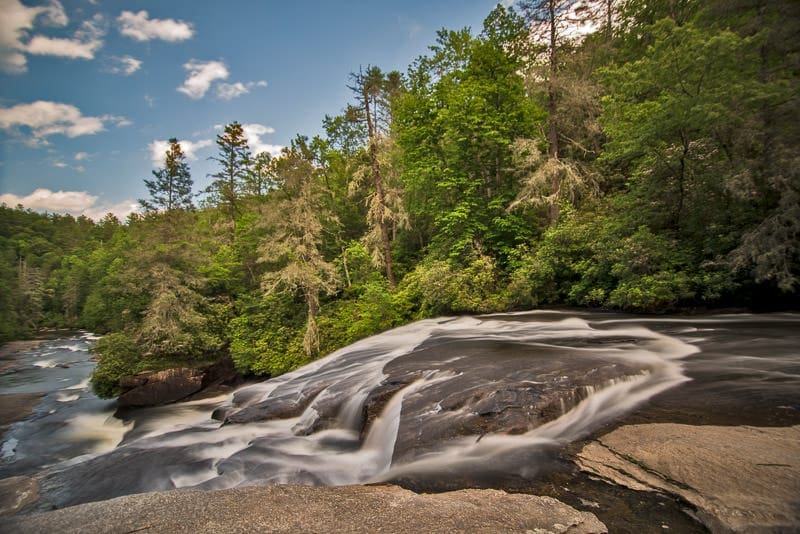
[
  {"x": 16, "y": 493},
  {"x": 741, "y": 479},
  {"x": 314, "y": 509},
  {"x": 17, "y": 406}
]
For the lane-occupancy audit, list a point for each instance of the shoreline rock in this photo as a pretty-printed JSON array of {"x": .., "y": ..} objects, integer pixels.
[
  {"x": 315, "y": 509},
  {"x": 176, "y": 384},
  {"x": 740, "y": 478}
]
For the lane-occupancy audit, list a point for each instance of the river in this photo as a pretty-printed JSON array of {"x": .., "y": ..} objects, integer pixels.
[{"x": 488, "y": 401}]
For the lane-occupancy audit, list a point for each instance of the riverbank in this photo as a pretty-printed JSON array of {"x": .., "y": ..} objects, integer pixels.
[{"x": 315, "y": 509}]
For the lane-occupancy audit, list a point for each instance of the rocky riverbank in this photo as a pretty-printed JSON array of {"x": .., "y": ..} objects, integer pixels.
[
  {"x": 740, "y": 479},
  {"x": 315, "y": 509}
]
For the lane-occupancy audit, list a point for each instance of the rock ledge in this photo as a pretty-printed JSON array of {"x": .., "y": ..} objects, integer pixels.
[
  {"x": 740, "y": 478},
  {"x": 315, "y": 509}
]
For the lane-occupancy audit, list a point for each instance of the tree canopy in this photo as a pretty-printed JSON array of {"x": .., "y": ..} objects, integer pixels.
[{"x": 629, "y": 155}]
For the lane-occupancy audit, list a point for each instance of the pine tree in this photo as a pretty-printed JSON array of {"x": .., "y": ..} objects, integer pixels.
[
  {"x": 235, "y": 161},
  {"x": 555, "y": 24},
  {"x": 171, "y": 187},
  {"x": 374, "y": 90}
]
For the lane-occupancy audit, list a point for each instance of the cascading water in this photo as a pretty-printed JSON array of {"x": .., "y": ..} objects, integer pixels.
[{"x": 436, "y": 395}]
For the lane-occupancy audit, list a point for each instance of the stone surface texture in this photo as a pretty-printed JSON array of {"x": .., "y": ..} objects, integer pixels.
[
  {"x": 314, "y": 509},
  {"x": 741, "y": 479}
]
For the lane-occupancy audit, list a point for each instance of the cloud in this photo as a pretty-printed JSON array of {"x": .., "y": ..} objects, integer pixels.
[
  {"x": 253, "y": 133},
  {"x": 80, "y": 156},
  {"x": 125, "y": 65},
  {"x": 138, "y": 26},
  {"x": 43, "y": 119},
  {"x": 229, "y": 91},
  {"x": 73, "y": 202},
  {"x": 158, "y": 149},
  {"x": 201, "y": 75},
  {"x": 16, "y": 21},
  {"x": 83, "y": 45}
]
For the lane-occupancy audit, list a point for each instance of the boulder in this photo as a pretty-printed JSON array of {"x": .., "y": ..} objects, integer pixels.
[
  {"x": 149, "y": 388},
  {"x": 740, "y": 479},
  {"x": 315, "y": 509},
  {"x": 163, "y": 387}
]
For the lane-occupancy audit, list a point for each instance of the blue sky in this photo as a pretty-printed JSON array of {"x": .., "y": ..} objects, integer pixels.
[{"x": 91, "y": 89}]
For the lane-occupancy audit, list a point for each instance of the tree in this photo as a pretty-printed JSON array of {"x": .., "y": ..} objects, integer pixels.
[
  {"x": 555, "y": 24},
  {"x": 172, "y": 187},
  {"x": 293, "y": 246},
  {"x": 374, "y": 90},
  {"x": 464, "y": 106},
  {"x": 235, "y": 162},
  {"x": 668, "y": 116}
]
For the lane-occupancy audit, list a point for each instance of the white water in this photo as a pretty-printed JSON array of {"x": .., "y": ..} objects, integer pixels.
[{"x": 185, "y": 448}]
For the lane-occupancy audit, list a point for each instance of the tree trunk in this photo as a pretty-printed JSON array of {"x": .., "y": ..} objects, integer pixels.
[
  {"x": 552, "y": 124},
  {"x": 376, "y": 176}
]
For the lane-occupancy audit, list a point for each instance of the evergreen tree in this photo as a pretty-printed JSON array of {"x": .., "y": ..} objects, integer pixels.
[
  {"x": 171, "y": 187},
  {"x": 374, "y": 90},
  {"x": 235, "y": 163},
  {"x": 554, "y": 26},
  {"x": 296, "y": 225}
]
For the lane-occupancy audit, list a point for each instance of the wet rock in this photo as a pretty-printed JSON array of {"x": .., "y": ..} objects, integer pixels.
[
  {"x": 315, "y": 509},
  {"x": 16, "y": 493},
  {"x": 164, "y": 387},
  {"x": 171, "y": 385},
  {"x": 739, "y": 478},
  {"x": 376, "y": 401},
  {"x": 280, "y": 407},
  {"x": 17, "y": 406}
]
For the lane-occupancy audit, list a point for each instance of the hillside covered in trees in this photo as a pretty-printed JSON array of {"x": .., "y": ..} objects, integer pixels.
[{"x": 650, "y": 165}]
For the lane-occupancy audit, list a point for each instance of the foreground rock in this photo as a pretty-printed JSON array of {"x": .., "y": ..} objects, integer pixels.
[
  {"x": 315, "y": 509},
  {"x": 739, "y": 478}
]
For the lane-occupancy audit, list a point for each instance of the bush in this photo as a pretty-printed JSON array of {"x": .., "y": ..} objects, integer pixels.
[
  {"x": 119, "y": 356},
  {"x": 267, "y": 337},
  {"x": 439, "y": 287}
]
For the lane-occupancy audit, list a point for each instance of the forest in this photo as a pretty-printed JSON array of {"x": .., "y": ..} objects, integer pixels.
[{"x": 648, "y": 165}]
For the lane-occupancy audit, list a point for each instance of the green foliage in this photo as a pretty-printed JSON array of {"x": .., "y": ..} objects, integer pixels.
[
  {"x": 119, "y": 356},
  {"x": 267, "y": 335},
  {"x": 438, "y": 287}
]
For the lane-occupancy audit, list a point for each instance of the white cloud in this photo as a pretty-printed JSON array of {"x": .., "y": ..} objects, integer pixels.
[
  {"x": 120, "y": 209},
  {"x": 253, "y": 133},
  {"x": 72, "y": 202},
  {"x": 60, "y": 164},
  {"x": 83, "y": 45},
  {"x": 43, "y": 118},
  {"x": 201, "y": 75},
  {"x": 80, "y": 156},
  {"x": 54, "y": 15},
  {"x": 16, "y": 21},
  {"x": 151, "y": 102},
  {"x": 229, "y": 91},
  {"x": 125, "y": 65},
  {"x": 57, "y": 201},
  {"x": 158, "y": 149},
  {"x": 142, "y": 28}
]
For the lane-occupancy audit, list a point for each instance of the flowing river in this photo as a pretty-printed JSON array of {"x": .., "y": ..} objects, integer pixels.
[{"x": 444, "y": 403}]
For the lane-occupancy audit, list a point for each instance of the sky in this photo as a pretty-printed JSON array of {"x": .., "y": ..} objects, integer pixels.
[{"x": 90, "y": 90}]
